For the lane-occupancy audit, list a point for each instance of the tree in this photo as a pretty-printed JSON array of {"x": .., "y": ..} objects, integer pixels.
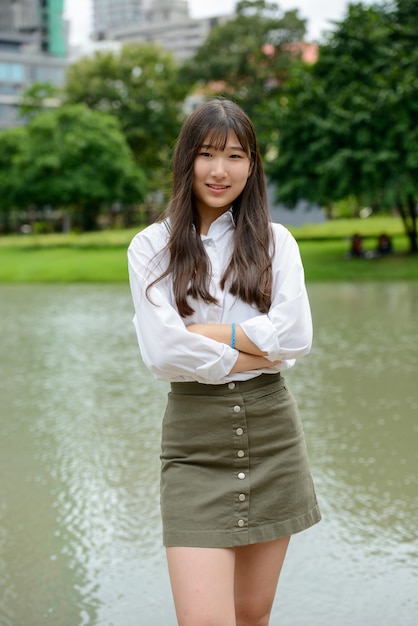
[
  {"x": 75, "y": 157},
  {"x": 38, "y": 97},
  {"x": 140, "y": 86},
  {"x": 348, "y": 124},
  {"x": 11, "y": 145},
  {"x": 248, "y": 57}
]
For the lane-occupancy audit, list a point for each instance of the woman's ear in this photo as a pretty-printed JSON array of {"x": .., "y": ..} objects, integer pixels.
[{"x": 250, "y": 171}]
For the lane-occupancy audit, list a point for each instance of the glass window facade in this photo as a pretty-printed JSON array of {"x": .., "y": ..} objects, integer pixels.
[
  {"x": 8, "y": 114},
  {"x": 46, "y": 74},
  {"x": 12, "y": 72}
]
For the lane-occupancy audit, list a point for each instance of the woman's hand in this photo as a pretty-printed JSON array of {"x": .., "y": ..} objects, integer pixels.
[
  {"x": 246, "y": 362},
  {"x": 198, "y": 329}
]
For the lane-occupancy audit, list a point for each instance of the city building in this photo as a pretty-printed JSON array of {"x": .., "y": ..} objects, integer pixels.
[
  {"x": 54, "y": 28},
  {"x": 41, "y": 19},
  {"x": 166, "y": 22},
  {"x": 19, "y": 15},
  {"x": 108, "y": 14},
  {"x": 32, "y": 50}
]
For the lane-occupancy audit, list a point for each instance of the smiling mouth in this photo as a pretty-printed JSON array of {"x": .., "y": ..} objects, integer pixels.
[{"x": 218, "y": 187}]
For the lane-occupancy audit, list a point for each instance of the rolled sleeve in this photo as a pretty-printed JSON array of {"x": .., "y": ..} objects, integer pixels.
[
  {"x": 285, "y": 333},
  {"x": 167, "y": 348},
  {"x": 172, "y": 353}
]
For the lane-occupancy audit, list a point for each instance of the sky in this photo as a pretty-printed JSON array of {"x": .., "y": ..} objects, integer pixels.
[{"x": 319, "y": 13}]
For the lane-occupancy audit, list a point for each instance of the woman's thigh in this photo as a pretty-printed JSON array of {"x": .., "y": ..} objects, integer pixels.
[
  {"x": 257, "y": 571},
  {"x": 202, "y": 581}
]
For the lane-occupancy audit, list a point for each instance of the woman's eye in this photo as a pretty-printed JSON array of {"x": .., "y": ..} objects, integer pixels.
[{"x": 205, "y": 154}]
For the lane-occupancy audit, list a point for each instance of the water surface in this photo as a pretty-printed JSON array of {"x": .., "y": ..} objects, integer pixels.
[{"x": 80, "y": 426}]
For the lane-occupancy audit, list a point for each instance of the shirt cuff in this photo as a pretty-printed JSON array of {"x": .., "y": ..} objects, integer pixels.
[
  {"x": 215, "y": 373},
  {"x": 263, "y": 334}
]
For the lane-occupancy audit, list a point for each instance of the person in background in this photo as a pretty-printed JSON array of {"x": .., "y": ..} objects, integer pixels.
[
  {"x": 221, "y": 311},
  {"x": 384, "y": 245},
  {"x": 356, "y": 249}
]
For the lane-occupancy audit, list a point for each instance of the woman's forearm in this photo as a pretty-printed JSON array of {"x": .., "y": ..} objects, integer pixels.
[{"x": 223, "y": 334}]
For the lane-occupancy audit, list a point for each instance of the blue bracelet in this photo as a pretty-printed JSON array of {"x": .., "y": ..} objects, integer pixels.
[{"x": 233, "y": 335}]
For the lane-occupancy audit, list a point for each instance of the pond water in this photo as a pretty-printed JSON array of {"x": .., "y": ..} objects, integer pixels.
[{"x": 80, "y": 535}]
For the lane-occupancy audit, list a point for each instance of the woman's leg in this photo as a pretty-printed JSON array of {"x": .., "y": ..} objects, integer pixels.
[
  {"x": 257, "y": 571},
  {"x": 202, "y": 580}
]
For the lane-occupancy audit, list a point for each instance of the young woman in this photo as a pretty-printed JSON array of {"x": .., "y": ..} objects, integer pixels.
[{"x": 220, "y": 311}]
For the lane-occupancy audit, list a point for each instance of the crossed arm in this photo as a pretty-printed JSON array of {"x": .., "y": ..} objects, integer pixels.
[{"x": 250, "y": 357}]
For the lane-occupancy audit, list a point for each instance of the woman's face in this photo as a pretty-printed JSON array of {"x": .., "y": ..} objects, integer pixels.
[{"x": 219, "y": 176}]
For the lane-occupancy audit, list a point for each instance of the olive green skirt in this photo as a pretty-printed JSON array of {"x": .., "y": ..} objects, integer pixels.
[{"x": 235, "y": 469}]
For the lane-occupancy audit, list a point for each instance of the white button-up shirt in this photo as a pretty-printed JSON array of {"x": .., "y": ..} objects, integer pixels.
[{"x": 174, "y": 354}]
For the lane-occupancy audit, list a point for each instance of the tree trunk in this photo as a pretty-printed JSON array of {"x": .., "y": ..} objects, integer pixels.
[
  {"x": 409, "y": 218},
  {"x": 89, "y": 214},
  {"x": 412, "y": 207},
  {"x": 5, "y": 227}
]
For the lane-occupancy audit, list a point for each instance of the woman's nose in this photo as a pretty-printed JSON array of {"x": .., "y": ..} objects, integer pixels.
[{"x": 218, "y": 167}]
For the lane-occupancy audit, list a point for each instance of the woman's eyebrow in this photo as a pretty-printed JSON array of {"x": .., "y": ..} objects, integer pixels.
[{"x": 208, "y": 146}]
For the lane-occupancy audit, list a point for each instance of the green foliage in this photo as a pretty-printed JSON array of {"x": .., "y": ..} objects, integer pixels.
[
  {"x": 37, "y": 98},
  {"x": 349, "y": 123},
  {"x": 346, "y": 208},
  {"x": 246, "y": 58},
  {"x": 11, "y": 145},
  {"x": 72, "y": 157},
  {"x": 139, "y": 86}
]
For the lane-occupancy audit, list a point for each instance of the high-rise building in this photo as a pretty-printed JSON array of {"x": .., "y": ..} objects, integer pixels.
[
  {"x": 110, "y": 14},
  {"x": 166, "y": 22},
  {"x": 18, "y": 15},
  {"x": 167, "y": 11},
  {"x": 40, "y": 19},
  {"x": 53, "y": 27},
  {"x": 32, "y": 50}
]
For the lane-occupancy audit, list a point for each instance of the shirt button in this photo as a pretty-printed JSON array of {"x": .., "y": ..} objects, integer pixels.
[
  {"x": 241, "y": 523},
  {"x": 237, "y": 409},
  {"x": 239, "y": 432},
  {"x": 240, "y": 453},
  {"x": 241, "y": 497},
  {"x": 231, "y": 385},
  {"x": 241, "y": 475}
]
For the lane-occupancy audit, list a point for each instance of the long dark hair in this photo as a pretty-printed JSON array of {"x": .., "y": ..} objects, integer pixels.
[{"x": 248, "y": 274}]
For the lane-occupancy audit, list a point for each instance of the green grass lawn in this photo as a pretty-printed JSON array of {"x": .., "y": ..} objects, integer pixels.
[
  {"x": 326, "y": 261},
  {"x": 63, "y": 265},
  {"x": 101, "y": 256}
]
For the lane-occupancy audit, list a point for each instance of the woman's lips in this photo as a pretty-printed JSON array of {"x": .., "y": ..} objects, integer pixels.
[{"x": 218, "y": 188}]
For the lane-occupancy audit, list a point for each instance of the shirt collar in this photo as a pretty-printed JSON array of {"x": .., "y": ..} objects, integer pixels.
[{"x": 221, "y": 225}]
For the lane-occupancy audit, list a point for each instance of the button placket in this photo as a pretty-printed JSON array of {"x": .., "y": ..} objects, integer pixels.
[{"x": 240, "y": 461}]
